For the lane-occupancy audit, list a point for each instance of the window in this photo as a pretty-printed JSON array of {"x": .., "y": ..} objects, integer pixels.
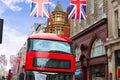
[
  {"x": 92, "y": 18},
  {"x": 57, "y": 17},
  {"x": 85, "y": 24},
  {"x": 50, "y": 30},
  {"x": 77, "y": 53},
  {"x": 101, "y": 1},
  {"x": 98, "y": 71},
  {"x": 63, "y": 18},
  {"x": 100, "y": 10},
  {"x": 92, "y": 10},
  {"x": 92, "y": 4},
  {"x": 58, "y": 30},
  {"x": 117, "y": 57},
  {"x": 117, "y": 22},
  {"x": 74, "y": 26},
  {"x": 49, "y": 23},
  {"x": 51, "y": 63},
  {"x": 100, "y": 13},
  {"x": 98, "y": 48}
]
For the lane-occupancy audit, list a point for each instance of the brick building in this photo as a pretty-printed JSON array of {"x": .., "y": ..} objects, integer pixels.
[{"x": 57, "y": 22}]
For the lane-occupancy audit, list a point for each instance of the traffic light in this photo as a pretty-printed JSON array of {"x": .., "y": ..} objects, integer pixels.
[{"x": 1, "y": 29}]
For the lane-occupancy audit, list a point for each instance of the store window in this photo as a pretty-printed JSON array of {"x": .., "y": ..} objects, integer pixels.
[
  {"x": 98, "y": 48},
  {"x": 98, "y": 72},
  {"x": 117, "y": 63},
  {"x": 77, "y": 53}
]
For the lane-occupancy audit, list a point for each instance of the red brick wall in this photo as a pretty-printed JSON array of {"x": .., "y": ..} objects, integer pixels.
[{"x": 66, "y": 31}]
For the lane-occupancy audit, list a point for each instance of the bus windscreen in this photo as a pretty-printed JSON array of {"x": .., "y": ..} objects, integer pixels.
[{"x": 40, "y": 45}]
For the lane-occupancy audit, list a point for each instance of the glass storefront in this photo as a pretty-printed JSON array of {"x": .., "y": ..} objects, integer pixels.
[{"x": 98, "y": 72}]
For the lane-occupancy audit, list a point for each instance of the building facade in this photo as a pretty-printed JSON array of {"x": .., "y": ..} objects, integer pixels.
[
  {"x": 89, "y": 37},
  {"x": 113, "y": 40},
  {"x": 57, "y": 22}
]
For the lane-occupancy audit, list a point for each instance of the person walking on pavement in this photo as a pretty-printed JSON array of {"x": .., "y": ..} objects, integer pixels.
[{"x": 9, "y": 75}]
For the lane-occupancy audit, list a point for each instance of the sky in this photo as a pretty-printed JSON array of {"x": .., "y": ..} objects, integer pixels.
[{"x": 18, "y": 24}]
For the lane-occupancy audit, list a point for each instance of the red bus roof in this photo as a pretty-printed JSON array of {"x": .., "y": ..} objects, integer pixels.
[{"x": 50, "y": 36}]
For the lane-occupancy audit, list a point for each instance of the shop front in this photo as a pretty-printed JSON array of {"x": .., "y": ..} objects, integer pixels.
[
  {"x": 98, "y": 72},
  {"x": 99, "y": 68},
  {"x": 117, "y": 62}
]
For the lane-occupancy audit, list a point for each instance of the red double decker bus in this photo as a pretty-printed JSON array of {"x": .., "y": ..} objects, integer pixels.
[{"x": 49, "y": 57}]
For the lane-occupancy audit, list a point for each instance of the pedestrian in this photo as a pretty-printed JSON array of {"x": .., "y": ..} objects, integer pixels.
[
  {"x": 9, "y": 75},
  {"x": 21, "y": 76}
]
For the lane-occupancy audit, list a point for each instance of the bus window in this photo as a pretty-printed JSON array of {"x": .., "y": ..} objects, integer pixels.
[{"x": 51, "y": 63}]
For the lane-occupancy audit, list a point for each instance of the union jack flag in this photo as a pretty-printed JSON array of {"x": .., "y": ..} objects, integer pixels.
[
  {"x": 77, "y": 9},
  {"x": 12, "y": 60},
  {"x": 39, "y": 8},
  {"x": 15, "y": 67},
  {"x": 3, "y": 60}
]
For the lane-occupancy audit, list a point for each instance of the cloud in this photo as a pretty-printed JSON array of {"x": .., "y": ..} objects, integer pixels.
[
  {"x": 12, "y": 4},
  {"x": 11, "y": 43},
  {"x": 52, "y": 4},
  {"x": 2, "y": 8},
  {"x": 28, "y": 1}
]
